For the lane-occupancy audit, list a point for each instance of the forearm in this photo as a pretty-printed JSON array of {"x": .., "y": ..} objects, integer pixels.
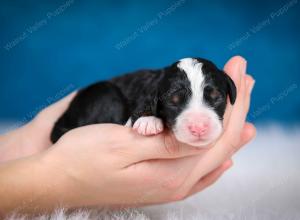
[
  {"x": 28, "y": 186},
  {"x": 11, "y": 145}
]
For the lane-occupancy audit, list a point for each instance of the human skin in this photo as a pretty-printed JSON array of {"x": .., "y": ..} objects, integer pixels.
[{"x": 111, "y": 165}]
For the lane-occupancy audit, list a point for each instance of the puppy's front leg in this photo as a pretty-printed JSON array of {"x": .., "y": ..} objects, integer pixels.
[
  {"x": 144, "y": 118},
  {"x": 148, "y": 125}
]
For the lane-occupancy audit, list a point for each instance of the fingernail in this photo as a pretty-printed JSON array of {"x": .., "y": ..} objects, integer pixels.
[{"x": 243, "y": 66}]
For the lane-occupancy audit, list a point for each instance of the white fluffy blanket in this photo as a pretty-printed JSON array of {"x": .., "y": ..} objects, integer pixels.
[{"x": 264, "y": 183}]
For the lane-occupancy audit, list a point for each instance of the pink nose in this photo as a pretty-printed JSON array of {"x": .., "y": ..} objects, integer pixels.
[{"x": 198, "y": 130}]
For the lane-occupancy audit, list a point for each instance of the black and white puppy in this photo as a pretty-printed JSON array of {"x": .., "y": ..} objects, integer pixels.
[{"x": 189, "y": 97}]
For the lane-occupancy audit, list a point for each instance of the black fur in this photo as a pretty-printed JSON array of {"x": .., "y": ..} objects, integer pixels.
[{"x": 162, "y": 93}]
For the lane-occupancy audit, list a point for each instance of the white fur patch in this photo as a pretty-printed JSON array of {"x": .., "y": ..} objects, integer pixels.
[
  {"x": 149, "y": 125},
  {"x": 193, "y": 70}
]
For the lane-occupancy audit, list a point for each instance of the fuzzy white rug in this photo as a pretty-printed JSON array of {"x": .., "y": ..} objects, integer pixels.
[{"x": 263, "y": 184}]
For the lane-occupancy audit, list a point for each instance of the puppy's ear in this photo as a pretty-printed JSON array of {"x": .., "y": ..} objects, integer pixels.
[{"x": 231, "y": 89}]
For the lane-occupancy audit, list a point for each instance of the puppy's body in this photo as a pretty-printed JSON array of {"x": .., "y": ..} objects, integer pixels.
[
  {"x": 113, "y": 101},
  {"x": 188, "y": 97}
]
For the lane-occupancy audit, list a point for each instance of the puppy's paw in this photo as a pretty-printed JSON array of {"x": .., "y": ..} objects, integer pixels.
[{"x": 149, "y": 125}]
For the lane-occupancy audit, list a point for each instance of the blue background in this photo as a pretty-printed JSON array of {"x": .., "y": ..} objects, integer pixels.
[{"x": 79, "y": 46}]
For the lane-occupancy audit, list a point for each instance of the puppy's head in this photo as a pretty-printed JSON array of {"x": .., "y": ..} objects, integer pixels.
[{"x": 193, "y": 98}]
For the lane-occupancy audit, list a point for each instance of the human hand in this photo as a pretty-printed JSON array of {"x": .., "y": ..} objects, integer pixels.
[
  {"x": 111, "y": 165},
  {"x": 34, "y": 136}
]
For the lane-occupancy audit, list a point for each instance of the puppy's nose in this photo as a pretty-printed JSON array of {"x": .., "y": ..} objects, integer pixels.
[{"x": 198, "y": 130}]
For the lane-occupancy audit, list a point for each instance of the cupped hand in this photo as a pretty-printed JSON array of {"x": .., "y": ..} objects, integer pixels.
[
  {"x": 33, "y": 137},
  {"x": 111, "y": 165}
]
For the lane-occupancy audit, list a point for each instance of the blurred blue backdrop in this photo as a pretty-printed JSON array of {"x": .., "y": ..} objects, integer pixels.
[{"x": 49, "y": 48}]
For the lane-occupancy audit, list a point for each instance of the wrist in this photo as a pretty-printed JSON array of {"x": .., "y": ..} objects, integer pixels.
[
  {"x": 21, "y": 142},
  {"x": 60, "y": 185},
  {"x": 10, "y": 145},
  {"x": 18, "y": 187},
  {"x": 30, "y": 185}
]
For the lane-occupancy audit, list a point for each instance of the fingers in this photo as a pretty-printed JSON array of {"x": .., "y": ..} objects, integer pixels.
[
  {"x": 235, "y": 68},
  {"x": 52, "y": 112},
  {"x": 249, "y": 86},
  {"x": 164, "y": 178},
  {"x": 62, "y": 104},
  {"x": 186, "y": 166},
  {"x": 43, "y": 122},
  {"x": 210, "y": 178},
  {"x": 167, "y": 177},
  {"x": 248, "y": 133},
  {"x": 162, "y": 146},
  {"x": 165, "y": 146},
  {"x": 239, "y": 112}
]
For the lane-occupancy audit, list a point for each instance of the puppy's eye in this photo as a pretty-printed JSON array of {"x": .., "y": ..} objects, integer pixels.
[
  {"x": 178, "y": 96},
  {"x": 215, "y": 94},
  {"x": 175, "y": 99},
  {"x": 212, "y": 93}
]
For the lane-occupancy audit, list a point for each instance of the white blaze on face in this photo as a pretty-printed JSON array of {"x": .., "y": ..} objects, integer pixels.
[{"x": 198, "y": 124}]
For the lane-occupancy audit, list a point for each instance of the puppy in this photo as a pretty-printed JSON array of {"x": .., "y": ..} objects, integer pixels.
[{"x": 189, "y": 97}]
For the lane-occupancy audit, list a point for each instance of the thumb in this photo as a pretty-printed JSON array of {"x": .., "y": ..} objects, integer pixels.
[
  {"x": 48, "y": 116},
  {"x": 162, "y": 146}
]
